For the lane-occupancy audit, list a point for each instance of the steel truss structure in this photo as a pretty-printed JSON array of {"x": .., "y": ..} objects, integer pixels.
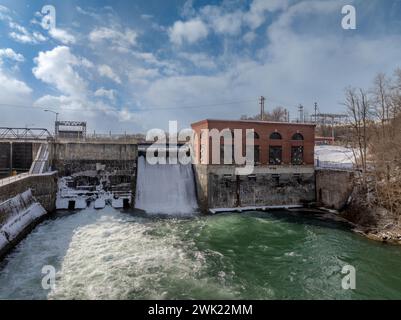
[{"x": 40, "y": 134}]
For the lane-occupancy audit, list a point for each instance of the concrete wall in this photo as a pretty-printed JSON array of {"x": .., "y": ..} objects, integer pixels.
[
  {"x": 72, "y": 157},
  {"x": 21, "y": 158},
  {"x": 219, "y": 187},
  {"x": 333, "y": 187},
  {"x": 44, "y": 189},
  {"x": 202, "y": 185}
]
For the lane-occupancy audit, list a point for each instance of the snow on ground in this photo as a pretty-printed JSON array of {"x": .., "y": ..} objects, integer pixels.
[
  {"x": 20, "y": 222},
  {"x": 21, "y": 211},
  {"x": 117, "y": 203},
  {"x": 100, "y": 203},
  {"x": 3, "y": 240},
  {"x": 334, "y": 157}
]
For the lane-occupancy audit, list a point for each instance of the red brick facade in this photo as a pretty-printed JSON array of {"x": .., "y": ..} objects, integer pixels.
[{"x": 293, "y": 151}]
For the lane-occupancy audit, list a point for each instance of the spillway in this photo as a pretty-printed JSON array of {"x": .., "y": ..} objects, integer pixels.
[{"x": 165, "y": 188}]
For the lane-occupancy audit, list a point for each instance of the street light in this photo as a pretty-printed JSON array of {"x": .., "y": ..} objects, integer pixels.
[
  {"x": 55, "y": 124},
  {"x": 56, "y": 113}
]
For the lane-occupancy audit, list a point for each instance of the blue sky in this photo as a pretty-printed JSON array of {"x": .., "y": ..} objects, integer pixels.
[{"x": 134, "y": 65}]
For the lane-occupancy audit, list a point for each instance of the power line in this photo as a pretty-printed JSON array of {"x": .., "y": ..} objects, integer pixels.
[{"x": 141, "y": 109}]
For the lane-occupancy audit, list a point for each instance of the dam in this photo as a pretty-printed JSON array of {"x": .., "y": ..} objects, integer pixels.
[
  {"x": 114, "y": 226},
  {"x": 74, "y": 170}
]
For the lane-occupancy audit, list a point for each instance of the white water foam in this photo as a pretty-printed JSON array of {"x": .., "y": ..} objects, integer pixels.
[
  {"x": 165, "y": 188},
  {"x": 108, "y": 255}
]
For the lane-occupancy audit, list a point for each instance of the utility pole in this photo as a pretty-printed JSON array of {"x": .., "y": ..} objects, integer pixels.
[
  {"x": 315, "y": 112},
  {"x": 56, "y": 123},
  {"x": 262, "y": 107},
  {"x": 301, "y": 113}
]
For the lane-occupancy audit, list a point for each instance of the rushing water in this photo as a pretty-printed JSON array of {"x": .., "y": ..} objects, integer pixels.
[
  {"x": 165, "y": 188},
  {"x": 109, "y": 254}
]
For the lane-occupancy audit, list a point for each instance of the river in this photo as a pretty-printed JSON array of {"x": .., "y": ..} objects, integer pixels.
[{"x": 108, "y": 254}]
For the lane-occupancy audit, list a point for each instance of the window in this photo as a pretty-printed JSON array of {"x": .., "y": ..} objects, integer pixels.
[
  {"x": 275, "y": 155},
  {"x": 255, "y": 135},
  {"x": 297, "y": 177},
  {"x": 297, "y": 136},
  {"x": 222, "y": 153},
  {"x": 297, "y": 155},
  {"x": 275, "y": 136},
  {"x": 276, "y": 179},
  {"x": 256, "y": 154}
]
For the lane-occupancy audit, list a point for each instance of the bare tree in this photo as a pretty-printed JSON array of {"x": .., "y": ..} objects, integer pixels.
[
  {"x": 381, "y": 100},
  {"x": 358, "y": 108},
  {"x": 277, "y": 114}
]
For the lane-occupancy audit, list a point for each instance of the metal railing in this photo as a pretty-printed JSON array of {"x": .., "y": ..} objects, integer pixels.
[
  {"x": 8, "y": 180},
  {"x": 319, "y": 164},
  {"x": 41, "y": 134}
]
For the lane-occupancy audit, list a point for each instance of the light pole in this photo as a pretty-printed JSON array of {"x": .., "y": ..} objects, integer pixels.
[{"x": 55, "y": 124}]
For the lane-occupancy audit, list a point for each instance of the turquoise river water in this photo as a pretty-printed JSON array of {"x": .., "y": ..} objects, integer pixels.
[{"x": 109, "y": 254}]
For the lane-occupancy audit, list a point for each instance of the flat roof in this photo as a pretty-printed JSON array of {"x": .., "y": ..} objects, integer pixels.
[{"x": 255, "y": 121}]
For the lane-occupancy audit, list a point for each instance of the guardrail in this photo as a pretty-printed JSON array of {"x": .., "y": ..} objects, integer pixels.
[
  {"x": 8, "y": 180},
  {"x": 319, "y": 164}
]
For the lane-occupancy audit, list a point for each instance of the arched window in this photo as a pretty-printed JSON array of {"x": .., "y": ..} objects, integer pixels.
[
  {"x": 297, "y": 136},
  {"x": 275, "y": 136},
  {"x": 255, "y": 135}
]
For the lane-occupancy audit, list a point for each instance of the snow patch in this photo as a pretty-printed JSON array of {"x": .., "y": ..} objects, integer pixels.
[
  {"x": 19, "y": 212},
  {"x": 100, "y": 203},
  {"x": 17, "y": 224},
  {"x": 334, "y": 157}
]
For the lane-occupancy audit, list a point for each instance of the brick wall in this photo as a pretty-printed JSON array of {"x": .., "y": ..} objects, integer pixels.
[{"x": 264, "y": 129}]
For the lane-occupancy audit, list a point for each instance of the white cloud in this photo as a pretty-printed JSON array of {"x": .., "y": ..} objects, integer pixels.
[
  {"x": 10, "y": 54},
  {"x": 189, "y": 31},
  {"x": 21, "y": 34},
  {"x": 145, "y": 73},
  {"x": 102, "y": 92},
  {"x": 249, "y": 37},
  {"x": 12, "y": 87},
  {"x": 121, "y": 41},
  {"x": 106, "y": 71},
  {"x": 57, "y": 67},
  {"x": 221, "y": 22},
  {"x": 125, "y": 115},
  {"x": 257, "y": 12},
  {"x": 146, "y": 16},
  {"x": 200, "y": 60},
  {"x": 295, "y": 66},
  {"x": 12, "y": 90},
  {"x": 62, "y": 35}
]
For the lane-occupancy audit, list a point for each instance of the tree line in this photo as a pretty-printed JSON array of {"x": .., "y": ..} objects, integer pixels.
[{"x": 374, "y": 133}]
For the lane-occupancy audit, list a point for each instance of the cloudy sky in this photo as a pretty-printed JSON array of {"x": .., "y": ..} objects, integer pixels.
[{"x": 134, "y": 65}]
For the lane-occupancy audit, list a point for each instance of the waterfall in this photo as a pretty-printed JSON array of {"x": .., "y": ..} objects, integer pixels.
[{"x": 165, "y": 188}]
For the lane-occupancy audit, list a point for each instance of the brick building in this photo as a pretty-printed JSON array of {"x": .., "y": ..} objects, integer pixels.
[
  {"x": 284, "y": 165},
  {"x": 275, "y": 143}
]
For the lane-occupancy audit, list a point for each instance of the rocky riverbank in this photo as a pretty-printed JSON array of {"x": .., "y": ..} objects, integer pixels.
[{"x": 371, "y": 220}]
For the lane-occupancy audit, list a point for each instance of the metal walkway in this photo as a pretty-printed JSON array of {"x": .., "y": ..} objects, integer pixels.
[{"x": 41, "y": 162}]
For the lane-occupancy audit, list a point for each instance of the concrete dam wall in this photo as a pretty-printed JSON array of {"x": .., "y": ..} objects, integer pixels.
[
  {"x": 219, "y": 187},
  {"x": 43, "y": 186},
  {"x": 72, "y": 157},
  {"x": 333, "y": 187}
]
